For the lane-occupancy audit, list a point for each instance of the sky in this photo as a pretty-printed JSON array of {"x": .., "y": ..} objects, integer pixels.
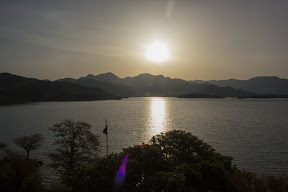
[{"x": 207, "y": 39}]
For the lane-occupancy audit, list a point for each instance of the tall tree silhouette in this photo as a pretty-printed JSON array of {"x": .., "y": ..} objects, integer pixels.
[{"x": 76, "y": 145}]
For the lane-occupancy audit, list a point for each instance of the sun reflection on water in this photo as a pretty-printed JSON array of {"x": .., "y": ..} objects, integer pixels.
[{"x": 158, "y": 115}]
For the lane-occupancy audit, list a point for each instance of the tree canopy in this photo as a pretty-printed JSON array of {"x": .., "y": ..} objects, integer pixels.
[
  {"x": 76, "y": 145},
  {"x": 29, "y": 143}
]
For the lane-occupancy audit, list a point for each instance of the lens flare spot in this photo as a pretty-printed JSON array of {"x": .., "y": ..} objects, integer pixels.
[{"x": 120, "y": 177}]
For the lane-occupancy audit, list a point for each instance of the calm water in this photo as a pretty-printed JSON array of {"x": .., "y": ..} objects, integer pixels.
[{"x": 253, "y": 131}]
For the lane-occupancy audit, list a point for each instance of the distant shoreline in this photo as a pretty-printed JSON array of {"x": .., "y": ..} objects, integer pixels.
[
  {"x": 200, "y": 95},
  {"x": 265, "y": 96},
  {"x": 31, "y": 102}
]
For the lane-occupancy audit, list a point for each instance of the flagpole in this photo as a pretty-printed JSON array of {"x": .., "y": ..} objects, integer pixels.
[
  {"x": 106, "y": 137},
  {"x": 106, "y": 132}
]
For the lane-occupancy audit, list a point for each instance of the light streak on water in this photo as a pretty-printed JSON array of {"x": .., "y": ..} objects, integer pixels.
[{"x": 158, "y": 115}]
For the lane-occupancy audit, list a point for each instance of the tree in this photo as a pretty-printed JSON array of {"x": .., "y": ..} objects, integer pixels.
[
  {"x": 204, "y": 168},
  {"x": 183, "y": 147},
  {"x": 77, "y": 145},
  {"x": 29, "y": 143}
]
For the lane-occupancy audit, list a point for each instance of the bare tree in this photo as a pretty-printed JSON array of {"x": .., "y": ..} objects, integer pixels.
[
  {"x": 76, "y": 145},
  {"x": 29, "y": 143}
]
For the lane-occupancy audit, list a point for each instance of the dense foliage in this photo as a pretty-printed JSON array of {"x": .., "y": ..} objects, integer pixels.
[{"x": 202, "y": 167}]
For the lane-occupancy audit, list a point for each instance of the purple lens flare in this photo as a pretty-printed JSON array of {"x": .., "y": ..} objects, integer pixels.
[{"x": 120, "y": 177}]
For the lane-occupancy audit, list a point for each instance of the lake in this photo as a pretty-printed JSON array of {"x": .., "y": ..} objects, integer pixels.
[{"x": 253, "y": 131}]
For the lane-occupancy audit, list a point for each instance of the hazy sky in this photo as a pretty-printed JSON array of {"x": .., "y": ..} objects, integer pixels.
[{"x": 208, "y": 39}]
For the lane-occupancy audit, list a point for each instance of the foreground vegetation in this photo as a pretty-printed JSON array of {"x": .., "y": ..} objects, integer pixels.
[{"x": 171, "y": 161}]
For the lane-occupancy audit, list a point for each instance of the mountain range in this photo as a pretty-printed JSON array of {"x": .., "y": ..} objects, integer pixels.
[
  {"x": 153, "y": 85},
  {"x": 15, "y": 88}
]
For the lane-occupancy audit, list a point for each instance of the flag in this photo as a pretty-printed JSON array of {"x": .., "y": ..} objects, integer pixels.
[{"x": 105, "y": 130}]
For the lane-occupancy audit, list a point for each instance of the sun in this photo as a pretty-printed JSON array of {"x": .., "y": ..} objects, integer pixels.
[{"x": 157, "y": 52}]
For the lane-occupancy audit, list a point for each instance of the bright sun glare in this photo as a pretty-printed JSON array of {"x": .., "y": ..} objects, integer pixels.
[{"x": 157, "y": 52}]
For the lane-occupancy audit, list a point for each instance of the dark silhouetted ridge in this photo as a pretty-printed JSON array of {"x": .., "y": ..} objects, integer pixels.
[{"x": 15, "y": 89}]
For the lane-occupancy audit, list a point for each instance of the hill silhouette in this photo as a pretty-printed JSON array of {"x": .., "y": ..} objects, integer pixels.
[{"x": 15, "y": 89}]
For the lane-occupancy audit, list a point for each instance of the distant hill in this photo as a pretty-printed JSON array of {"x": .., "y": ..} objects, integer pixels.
[
  {"x": 153, "y": 85},
  {"x": 15, "y": 88},
  {"x": 108, "y": 84},
  {"x": 261, "y": 85},
  {"x": 105, "y": 77}
]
